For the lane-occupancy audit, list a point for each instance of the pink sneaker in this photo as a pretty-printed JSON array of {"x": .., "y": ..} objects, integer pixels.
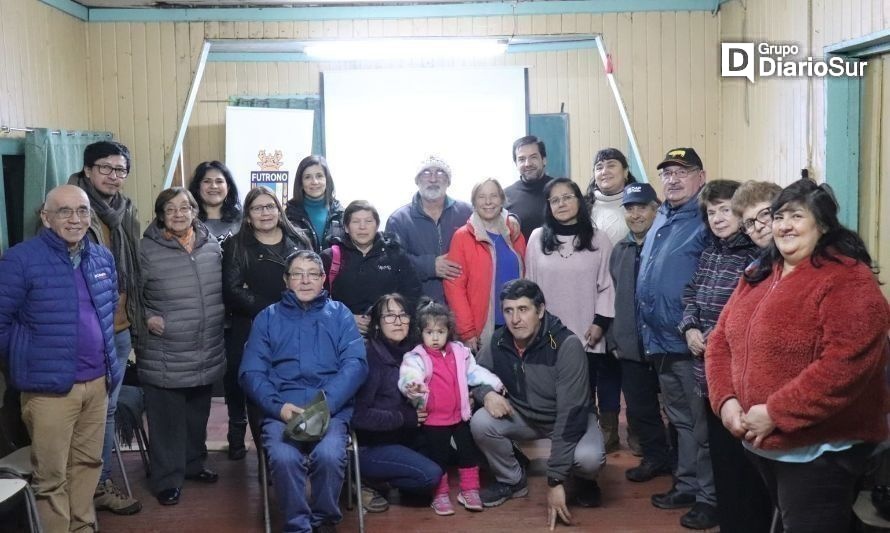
[
  {"x": 470, "y": 500},
  {"x": 442, "y": 505}
]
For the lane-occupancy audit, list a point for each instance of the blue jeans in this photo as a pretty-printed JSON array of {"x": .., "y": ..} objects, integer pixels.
[
  {"x": 324, "y": 463},
  {"x": 122, "y": 344},
  {"x": 401, "y": 467}
]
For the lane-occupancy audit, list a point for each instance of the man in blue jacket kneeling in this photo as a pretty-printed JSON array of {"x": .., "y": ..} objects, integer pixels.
[
  {"x": 58, "y": 293},
  {"x": 304, "y": 344}
]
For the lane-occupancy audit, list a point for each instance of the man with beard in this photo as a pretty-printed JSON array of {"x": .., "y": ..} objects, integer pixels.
[
  {"x": 425, "y": 226},
  {"x": 525, "y": 198},
  {"x": 114, "y": 225}
]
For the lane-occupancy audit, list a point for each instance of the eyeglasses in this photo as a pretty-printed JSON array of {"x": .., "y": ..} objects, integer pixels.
[
  {"x": 106, "y": 170},
  {"x": 565, "y": 198},
  {"x": 182, "y": 210},
  {"x": 680, "y": 174},
  {"x": 268, "y": 208},
  {"x": 64, "y": 213},
  {"x": 312, "y": 275},
  {"x": 764, "y": 217},
  {"x": 391, "y": 318},
  {"x": 438, "y": 173}
]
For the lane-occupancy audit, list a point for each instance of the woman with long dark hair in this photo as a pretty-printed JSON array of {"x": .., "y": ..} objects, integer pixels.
[
  {"x": 253, "y": 279},
  {"x": 219, "y": 207},
  {"x": 795, "y": 366},
  {"x": 314, "y": 208},
  {"x": 569, "y": 259}
]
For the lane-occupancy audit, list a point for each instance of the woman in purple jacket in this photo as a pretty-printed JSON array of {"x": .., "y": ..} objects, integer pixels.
[{"x": 384, "y": 421}]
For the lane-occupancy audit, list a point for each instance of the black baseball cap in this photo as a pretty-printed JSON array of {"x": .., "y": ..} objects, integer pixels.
[{"x": 685, "y": 157}]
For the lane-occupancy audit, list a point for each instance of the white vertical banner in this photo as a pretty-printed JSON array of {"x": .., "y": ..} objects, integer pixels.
[{"x": 265, "y": 145}]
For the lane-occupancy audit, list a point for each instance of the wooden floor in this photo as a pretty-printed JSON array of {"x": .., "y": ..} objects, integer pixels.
[{"x": 235, "y": 505}]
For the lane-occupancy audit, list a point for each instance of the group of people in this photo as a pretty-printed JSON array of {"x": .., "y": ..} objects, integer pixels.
[{"x": 456, "y": 333}]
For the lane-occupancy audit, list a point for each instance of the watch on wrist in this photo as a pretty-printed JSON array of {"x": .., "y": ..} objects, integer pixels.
[{"x": 553, "y": 482}]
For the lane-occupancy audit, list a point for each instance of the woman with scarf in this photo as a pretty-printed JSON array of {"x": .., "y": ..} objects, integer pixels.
[
  {"x": 490, "y": 249},
  {"x": 183, "y": 356},
  {"x": 606, "y": 191}
]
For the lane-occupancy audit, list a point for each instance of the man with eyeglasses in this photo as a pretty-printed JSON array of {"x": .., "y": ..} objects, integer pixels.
[
  {"x": 58, "y": 293},
  {"x": 425, "y": 226},
  {"x": 668, "y": 260},
  {"x": 525, "y": 198},
  {"x": 114, "y": 224},
  {"x": 301, "y": 345}
]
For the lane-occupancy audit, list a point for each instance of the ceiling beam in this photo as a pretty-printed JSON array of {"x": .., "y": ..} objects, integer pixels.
[{"x": 469, "y": 9}]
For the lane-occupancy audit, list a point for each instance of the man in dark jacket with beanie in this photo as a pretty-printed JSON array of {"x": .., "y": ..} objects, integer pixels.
[{"x": 424, "y": 226}]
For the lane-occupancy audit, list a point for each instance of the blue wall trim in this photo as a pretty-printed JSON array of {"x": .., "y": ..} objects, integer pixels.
[
  {"x": 72, "y": 8},
  {"x": 842, "y": 126},
  {"x": 390, "y": 12},
  {"x": 861, "y": 46}
]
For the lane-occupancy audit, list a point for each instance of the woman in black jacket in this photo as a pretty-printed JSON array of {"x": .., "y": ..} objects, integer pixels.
[
  {"x": 367, "y": 264},
  {"x": 253, "y": 279},
  {"x": 313, "y": 208}
]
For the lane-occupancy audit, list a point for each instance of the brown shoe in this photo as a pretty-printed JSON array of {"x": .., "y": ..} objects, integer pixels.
[{"x": 109, "y": 498}]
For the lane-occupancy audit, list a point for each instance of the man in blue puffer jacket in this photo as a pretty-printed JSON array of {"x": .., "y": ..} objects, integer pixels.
[
  {"x": 301, "y": 345},
  {"x": 58, "y": 293}
]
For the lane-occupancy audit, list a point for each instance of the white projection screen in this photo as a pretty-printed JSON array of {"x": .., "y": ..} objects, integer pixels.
[{"x": 380, "y": 124}]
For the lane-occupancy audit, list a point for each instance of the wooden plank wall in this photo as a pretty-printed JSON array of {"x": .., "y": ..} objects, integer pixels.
[
  {"x": 43, "y": 68},
  {"x": 147, "y": 69},
  {"x": 775, "y": 127},
  {"x": 874, "y": 165}
]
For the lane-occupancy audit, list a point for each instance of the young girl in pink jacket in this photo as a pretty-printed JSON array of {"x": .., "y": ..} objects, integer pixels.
[{"x": 436, "y": 376}]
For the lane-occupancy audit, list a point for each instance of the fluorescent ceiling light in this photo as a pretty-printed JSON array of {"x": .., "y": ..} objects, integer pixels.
[{"x": 429, "y": 48}]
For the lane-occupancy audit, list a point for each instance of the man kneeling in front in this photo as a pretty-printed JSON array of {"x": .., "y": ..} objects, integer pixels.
[{"x": 544, "y": 370}]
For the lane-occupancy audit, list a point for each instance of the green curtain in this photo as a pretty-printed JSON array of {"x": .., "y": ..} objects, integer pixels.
[
  {"x": 306, "y": 101},
  {"x": 51, "y": 156}
]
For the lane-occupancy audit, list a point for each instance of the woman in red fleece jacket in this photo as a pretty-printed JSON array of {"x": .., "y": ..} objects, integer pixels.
[{"x": 795, "y": 366}]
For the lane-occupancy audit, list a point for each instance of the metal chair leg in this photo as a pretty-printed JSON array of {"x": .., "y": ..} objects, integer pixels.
[
  {"x": 264, "y": 488},
  {"x": 358, "y": 483},
  {"x": 142, "y": 443},
  {"x": 120, "y": 461}
]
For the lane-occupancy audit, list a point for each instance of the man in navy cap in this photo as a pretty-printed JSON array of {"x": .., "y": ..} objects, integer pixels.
[
  {"x": 667, "y": 263},
  {"x": 638, "y": 378}
]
